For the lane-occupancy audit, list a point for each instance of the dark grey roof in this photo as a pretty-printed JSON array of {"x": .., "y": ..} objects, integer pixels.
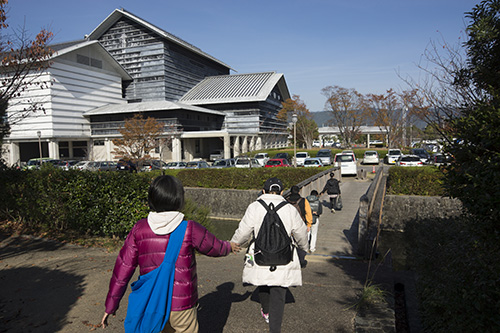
[
  {"x": 59, "y": 46},
  {"x": 118, "y": 13},
  {"x": 251, "y": 87},
  {"x": 147, "y": 107}
]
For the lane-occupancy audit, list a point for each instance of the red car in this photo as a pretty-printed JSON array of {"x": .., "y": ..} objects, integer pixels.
[{"x": 277, "y": 162}]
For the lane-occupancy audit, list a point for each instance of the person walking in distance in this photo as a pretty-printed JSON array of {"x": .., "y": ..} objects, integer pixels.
[
  {"x": 332, "y": 188},
  {"x": 148, "y": 245},
  {"x": 302, "y": 205},
  {"x": 317, "y": 210},
  {"x": 272, "y": 281}
]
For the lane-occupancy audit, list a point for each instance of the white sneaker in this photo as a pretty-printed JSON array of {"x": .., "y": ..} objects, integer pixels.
[{"x": 333, "y": 210}]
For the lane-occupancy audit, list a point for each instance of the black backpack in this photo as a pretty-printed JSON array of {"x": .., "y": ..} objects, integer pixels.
[{"x": 273, "y": 246}]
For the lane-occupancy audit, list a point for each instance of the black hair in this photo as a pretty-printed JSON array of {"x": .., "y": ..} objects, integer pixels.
[
  {"x": 314, "y": 192},
  {"x": 332, "y": 174},
  {"x": 295, "y": 189},
  {"x": 166, "y": 193}
]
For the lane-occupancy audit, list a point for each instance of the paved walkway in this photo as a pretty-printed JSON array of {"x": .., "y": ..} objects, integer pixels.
[{"x": 53, "y": 287}]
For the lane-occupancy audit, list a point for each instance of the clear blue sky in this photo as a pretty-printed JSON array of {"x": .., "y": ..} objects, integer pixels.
[{"x": 359, "y": 44}]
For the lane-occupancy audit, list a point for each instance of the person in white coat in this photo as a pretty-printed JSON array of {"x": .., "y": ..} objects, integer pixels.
[{"x": 272, "y": 285}]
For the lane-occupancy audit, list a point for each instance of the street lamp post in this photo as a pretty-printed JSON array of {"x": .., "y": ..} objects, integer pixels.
[
  {"x": 39, "y": 134},
  {"x": 294, "y": 120}
]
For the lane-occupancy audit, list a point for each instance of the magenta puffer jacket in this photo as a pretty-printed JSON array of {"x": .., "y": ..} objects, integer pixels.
[{"x": 146, "y": 249}]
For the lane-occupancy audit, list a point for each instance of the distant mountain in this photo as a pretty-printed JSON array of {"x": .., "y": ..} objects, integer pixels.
[{"x": 322, "y": 118}]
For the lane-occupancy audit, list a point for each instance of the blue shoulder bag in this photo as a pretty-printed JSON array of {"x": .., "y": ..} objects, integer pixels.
[{"x": 150, "y": 301}]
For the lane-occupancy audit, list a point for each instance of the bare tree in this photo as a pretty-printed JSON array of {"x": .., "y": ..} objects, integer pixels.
[
  {"x": 142, "y": 135},
  {"x": 307, "y": 129},
  {"x": 349, "y": 111},
  {"x": 23, "y": 62}
]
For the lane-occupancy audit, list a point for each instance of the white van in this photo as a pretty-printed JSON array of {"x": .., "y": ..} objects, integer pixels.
[
  {"x": 347, "y": 164},
  {"x": 262, "y": 158},
  {"x": 300, "y": 157}
]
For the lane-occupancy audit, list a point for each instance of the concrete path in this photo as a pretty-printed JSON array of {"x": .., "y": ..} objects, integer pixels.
[
  {"x": 338, "y": 232},
  {"x": 53, "y": 287}
]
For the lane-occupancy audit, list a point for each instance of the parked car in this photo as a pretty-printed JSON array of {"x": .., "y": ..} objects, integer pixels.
[
  {"x": 262, "y": 158},
  {"x": 409, "y": 160},
  {"x": 216, "y": 155},
  {"x": 224, "y": 163},
  {"x": 371, "y": 157},
  {"x": 392, "y": 156},
  {"x": 286, "y": 156},
  {"x": 247, "y": 162},
  {"x": 277, "y": 162},
  {"x": 102, "y": 166},
  {"x": 441, "y": 159},
  {"x": 300, "y": 157},
  {"x": 325, "y": 155},
  {"x": 350, "y": 152},
  {"x": 176, "y": 165},
  {"x": 34, "y": 163},
  {"x": 313, "y": 162},
  {"x": 422, "y": 153},
  {"x": 66, "y": 165},
  {"x": 82, "y": 165},
  {"x": 197, "y": 165},
  {"x": 126, "y": 165},
  {"x": 347, "y": 164},
  {"x": 316, "y": 143},
  {"x": 150, "y": 165}
]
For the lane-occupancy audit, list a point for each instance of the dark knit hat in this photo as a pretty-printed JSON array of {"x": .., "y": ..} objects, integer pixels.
[{"x": 273, "y": 184}]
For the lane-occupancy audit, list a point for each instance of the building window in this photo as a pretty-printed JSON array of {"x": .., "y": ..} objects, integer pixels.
[{"x": 98, "y": 142}]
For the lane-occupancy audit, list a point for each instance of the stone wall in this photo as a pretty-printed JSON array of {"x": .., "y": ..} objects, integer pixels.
[
  {"x": 232, "y": 204},
  {"x": 399, "y": 209},
  {"x": 223, "y": 203}
]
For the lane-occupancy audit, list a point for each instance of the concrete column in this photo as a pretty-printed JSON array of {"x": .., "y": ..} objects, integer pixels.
[
  {"x": 236, "y": 148},
  {"x": 53, "y": 149},
  {"x": 368, "y": 140},
  {"x": 258, "y": 144},
  {"x": 108, "y": 144},
  {"x": 244, "y": 145},
  {"x": 227, "y": 146},
  {"x": 70, "y": 149},
  {"x": 176, "y": 149},
  {"x": 188, "y": 149},
  {"x": 14, "y": 155}
]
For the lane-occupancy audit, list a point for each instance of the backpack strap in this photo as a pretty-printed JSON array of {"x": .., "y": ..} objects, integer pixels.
[{"x": 281, "y": 204}]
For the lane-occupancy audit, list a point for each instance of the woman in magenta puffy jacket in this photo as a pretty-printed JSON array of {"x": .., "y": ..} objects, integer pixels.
[{"x": 145, "y": 247}]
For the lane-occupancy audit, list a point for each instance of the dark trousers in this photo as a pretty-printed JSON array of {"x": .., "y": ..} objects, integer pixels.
[
  {"x": 333, "y": 200},
  {"x": 272, "y": 300}
]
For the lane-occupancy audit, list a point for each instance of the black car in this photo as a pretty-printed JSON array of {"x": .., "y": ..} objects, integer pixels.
[
  {"x": 285, "y": 156},
  {"x": 422, "y": 153},
  {"x": 126, "y": 165}
]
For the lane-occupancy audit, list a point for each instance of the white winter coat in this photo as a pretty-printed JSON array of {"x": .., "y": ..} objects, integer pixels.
[{"x": 287, "y": 275}]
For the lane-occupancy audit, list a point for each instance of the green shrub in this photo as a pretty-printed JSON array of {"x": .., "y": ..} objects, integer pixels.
[
  {"x": 244, "y": 179},
  {"x": 109, "y": 203},
  {"x": 88, "y": 203},
  {"x": 426, "y": 181},
  {"x": 458, "y": 285}
]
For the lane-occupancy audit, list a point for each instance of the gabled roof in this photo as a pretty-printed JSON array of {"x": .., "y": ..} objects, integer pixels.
[
  {"x": 236, "y": 88},
  {"x": 117, "y": 14},
  {"x": 67, "y": 47},
  {"x": 146, "y": 107}
]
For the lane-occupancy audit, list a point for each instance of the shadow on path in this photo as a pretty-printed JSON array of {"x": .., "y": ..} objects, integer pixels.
[
  {"x": 214, "y": 307},
  {"x": 34, "y": 299}
]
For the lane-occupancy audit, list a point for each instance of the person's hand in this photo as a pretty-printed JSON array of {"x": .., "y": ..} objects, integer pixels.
[
  {"x": 308, "y": 229},
  {"x": 235, "y": 248},
  {"x": 104, "y": 321}
]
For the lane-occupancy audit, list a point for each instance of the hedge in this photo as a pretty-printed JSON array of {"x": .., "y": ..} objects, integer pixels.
[
  {"x": 426, "y": 181},
  {"x": 109, "y": 203}
]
